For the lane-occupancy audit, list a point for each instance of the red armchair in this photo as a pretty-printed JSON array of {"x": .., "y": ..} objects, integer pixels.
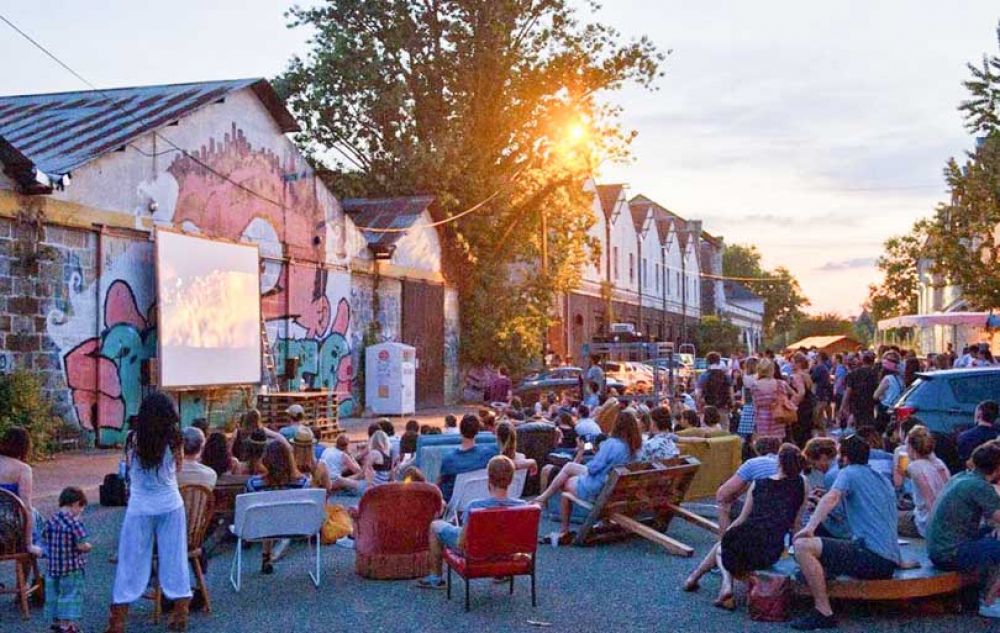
[
  {"x": 390, "y": 530},
  {"x": 498, "y": 542}
]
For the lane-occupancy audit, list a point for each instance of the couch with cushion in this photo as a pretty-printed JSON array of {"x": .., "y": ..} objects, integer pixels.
[{"x": 431, "y": 449}]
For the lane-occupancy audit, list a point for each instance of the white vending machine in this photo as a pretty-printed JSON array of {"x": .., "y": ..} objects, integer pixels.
[{"x": 390, "y": 378}]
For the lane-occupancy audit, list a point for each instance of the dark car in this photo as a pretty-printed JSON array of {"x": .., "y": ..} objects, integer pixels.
[
  {"x": 557, "y": 379},
  {"x": 945, "y": 401}
]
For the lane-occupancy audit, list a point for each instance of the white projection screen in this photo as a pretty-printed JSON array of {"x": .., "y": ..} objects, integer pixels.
[{"x": 208, "y": 293}]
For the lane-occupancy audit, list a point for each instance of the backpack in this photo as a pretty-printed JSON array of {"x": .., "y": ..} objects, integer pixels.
[
  {"x": 113, "y": 491},
  {"x": 717, "y": 392}
]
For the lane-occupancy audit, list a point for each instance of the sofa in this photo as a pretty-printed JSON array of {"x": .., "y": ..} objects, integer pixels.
[
  {"x": 536, "y": 440},
  {"x": 431, "y": 449}
]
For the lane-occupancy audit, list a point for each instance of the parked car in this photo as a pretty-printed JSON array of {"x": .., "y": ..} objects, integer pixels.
[
  {"x": 945, "y": 401},
  {"x": 637, "y": 377},
  {"x": 681, "y": 370},
  {"x": 557, "y": 379}
]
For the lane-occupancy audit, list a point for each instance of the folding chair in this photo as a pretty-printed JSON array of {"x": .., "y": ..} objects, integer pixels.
[
  {"x": 277, "y": 514},
  {"x": 468, "y": 487}
]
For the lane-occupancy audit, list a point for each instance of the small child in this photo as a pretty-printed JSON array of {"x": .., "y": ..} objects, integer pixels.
[{"x": 65, "y": 541}]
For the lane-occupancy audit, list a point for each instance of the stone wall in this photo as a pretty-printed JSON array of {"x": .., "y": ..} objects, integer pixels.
[{"x": 37, "y": 275}]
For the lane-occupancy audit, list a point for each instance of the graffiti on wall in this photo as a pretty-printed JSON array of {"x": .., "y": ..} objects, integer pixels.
[{"x": 103, "y": 357}]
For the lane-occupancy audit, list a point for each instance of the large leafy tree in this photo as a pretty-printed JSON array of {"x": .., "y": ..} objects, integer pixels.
[
  {"x": 896, "y": 294},
  {"x": 783, "y": 298},
  {"x": 500, "y": 105},
  {"x": 963, "y": 236}
]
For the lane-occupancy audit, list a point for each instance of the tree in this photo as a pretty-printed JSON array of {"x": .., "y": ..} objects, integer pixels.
[
  {"x": 896, "y": 294},
  {"x": 783, "y": 298},
  {"x": 963, "y": 236},
  {"x": 718, "y": 335},
  {"x": 826, "y": 324},
  {"x": 496, "y": 103}
]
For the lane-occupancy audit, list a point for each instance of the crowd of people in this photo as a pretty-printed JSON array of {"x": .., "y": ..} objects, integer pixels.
[{"x": 826, "y": 471}]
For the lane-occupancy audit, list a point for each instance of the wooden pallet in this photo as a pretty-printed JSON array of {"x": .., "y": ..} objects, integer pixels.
[{"x": 320, "y": 409}]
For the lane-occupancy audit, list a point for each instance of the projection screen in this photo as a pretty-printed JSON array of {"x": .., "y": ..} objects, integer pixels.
[{"x": 208, "y": 293}]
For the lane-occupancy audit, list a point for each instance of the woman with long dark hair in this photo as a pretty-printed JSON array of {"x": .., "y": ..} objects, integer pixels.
[
  {"x": 586, "y": 481},
  {"x": 15, "y": 473},
  {"x": 155, "y": 511},
  {"x": 216, "y": 455},
  {"x": 756, "y": 539}
]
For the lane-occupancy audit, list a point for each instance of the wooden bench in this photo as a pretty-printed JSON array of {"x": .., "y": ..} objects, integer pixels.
[
  {"x": 641, "y": 499},
  {"x": 907, "y": 584}
]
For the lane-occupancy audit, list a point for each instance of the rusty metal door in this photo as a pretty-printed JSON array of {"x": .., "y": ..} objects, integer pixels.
[{"x": 423, "y": 328}]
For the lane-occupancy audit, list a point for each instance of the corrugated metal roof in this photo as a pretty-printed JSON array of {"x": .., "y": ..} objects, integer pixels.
[
  {"x": 385, "y": 213},
  {"x": 59, "y": 132}
]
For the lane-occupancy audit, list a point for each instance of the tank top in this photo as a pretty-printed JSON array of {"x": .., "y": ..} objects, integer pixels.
[
  {"x": 893, "y": 392},
  {"x": 383, "y": 471},
  {"x": 153, "y": 491}
]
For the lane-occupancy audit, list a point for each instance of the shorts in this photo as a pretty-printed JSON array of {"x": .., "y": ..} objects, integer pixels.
[
  {"x": 448, "y": 536},
  {"x": 850, "y": 558},
  {"x": 64, "y": 597}
]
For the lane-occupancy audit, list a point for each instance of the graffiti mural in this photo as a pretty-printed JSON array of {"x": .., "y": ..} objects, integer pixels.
[
  {"x": 104, "y": 372},
  {"x": 105, "y": 333}
]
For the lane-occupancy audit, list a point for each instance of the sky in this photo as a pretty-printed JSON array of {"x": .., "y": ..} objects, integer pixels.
[{"x": 813, "y": 130}]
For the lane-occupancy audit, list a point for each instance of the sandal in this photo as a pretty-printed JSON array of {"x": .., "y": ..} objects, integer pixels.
[
  {"x": 690, "y": 586},
  {"x": 727, "y": 602}
]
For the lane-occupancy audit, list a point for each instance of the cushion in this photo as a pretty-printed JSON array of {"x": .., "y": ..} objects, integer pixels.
[{"x": 514, "y": 566}]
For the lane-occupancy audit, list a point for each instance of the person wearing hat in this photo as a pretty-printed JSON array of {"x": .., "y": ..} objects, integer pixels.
[
  {"x": 304, "y": 452},
  {"x": 295, "y": 414},
  {"x": 889, "y": 389}
]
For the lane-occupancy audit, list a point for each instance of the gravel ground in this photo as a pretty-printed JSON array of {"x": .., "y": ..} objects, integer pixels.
[{"x": 627, "y": 586}]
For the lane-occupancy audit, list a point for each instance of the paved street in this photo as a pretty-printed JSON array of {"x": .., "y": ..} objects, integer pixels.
[{"x": 629, "y": 586}]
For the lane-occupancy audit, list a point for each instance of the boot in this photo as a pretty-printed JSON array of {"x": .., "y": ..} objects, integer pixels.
[
  {"x": 179, "y": 616},
  {"x": 118, "y": 613}
]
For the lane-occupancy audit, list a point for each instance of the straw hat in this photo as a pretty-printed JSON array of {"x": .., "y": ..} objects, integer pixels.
[{"x": 304, "y": 437}]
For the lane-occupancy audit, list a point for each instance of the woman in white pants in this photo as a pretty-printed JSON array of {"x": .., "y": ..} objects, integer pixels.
[{"x": 155, "y": 509}]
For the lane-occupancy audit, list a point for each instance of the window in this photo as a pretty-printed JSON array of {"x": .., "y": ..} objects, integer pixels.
[
  {"x": 678, "y": 280},
  {"x": 976, "y": 388},
  {"x": 614, "y": 261},
  {"x": 666, "y": 283},
  {"x": 645, "y": 274},
  {"x": 657, "y": 267},
  {"x": 631, "y": 268}
]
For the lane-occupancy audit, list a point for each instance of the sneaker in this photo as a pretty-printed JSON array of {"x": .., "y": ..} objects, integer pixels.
[
  {"x": 814, "y": 621},
  {"x": 279, "y": 549},
  {"x": 345, "y": 541},
  {"x": 431, "y": 582}
]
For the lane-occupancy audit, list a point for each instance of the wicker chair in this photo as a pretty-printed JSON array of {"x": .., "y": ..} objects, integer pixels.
[
  {"x": 15, "y": 538},
  {"x": 198, "y": 510},
  {"x": 391, "y": 530}
]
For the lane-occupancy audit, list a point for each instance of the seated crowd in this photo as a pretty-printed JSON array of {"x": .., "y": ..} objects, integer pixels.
[{"x": 836, "y": 483}]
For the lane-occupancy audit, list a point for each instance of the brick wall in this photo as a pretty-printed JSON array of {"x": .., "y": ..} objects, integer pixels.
[{"x": 34, "y": 290}]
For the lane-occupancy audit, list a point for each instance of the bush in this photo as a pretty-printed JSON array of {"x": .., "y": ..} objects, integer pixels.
[{"x": 22, "y": 404}]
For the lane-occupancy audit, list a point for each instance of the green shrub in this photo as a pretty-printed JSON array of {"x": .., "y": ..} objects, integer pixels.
[{"x": 22, "y": 404}]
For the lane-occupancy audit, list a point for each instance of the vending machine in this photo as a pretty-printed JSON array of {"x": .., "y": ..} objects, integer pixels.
[{"x": 390, "y": 378}]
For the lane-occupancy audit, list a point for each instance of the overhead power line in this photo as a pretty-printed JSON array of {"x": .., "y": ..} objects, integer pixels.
[{"x": 226, "y": 177}]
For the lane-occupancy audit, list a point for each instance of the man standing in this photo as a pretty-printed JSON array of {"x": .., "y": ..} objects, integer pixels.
[
  {"x": 822, "y": 388},
  {"x": 984, "y": 431},
  {"x": 859, "y": 396},
  {"x": 594, "y": 377},
  {"x": 872, "y": 553},
  {"x": 466, "y": 458},
  {"x": 715, "y": 388},
  {"x": 500, "y": 386}
]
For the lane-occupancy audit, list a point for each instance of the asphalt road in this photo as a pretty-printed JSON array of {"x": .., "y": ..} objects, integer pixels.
[{"x": 628, "y": 586}]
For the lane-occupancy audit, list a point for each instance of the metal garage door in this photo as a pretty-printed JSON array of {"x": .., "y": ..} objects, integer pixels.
[{"x": 423, "y": 328}]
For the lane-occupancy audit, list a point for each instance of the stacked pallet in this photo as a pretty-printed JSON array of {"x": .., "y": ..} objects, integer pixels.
[{"x": 320, "y": 409}]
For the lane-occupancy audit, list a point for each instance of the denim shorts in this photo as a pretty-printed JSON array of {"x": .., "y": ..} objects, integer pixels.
[{"x": 448, "y": 536}]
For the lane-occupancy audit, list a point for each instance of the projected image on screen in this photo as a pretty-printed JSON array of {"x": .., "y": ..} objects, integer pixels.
[{"x": 208, "y": 294}]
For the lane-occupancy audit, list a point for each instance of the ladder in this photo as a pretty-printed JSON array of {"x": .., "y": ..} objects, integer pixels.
[{"x": 269, "y": 374}]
